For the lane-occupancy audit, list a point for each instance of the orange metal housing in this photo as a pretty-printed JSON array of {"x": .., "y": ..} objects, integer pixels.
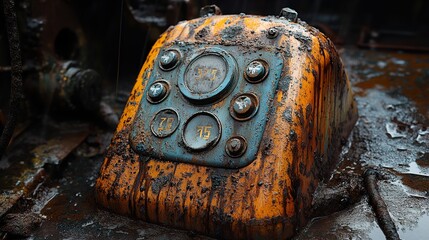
[{"x": 312, "y": 112}]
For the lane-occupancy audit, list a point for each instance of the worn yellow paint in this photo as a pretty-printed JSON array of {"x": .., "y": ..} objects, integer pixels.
[{"x": 269, "y": 198}]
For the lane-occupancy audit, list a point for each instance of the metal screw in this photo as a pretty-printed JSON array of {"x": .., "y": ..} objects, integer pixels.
[
  {"x": 236, "y": 146},
  {"x": 272, "y": 33},
  {"x": 255, "y": 71},
  {"x": 243, "y": 106},
  {"x": 289, "y": 14},
  {"x": 210, "y": 10},
  {"x": 157, "y": 91},
  {"x": 169, "y": 59}
]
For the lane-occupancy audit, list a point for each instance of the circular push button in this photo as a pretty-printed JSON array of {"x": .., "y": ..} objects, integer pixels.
[
  {"x": 158, "y": 91},
  {"x": 164, "y": 123},
  {"x": 256, "y": 71},
  {"x": 244, "y": 106},
  {"x": 169, "y": 60},
  {"x": 201, "y": 131},
  {"x": 236, "y": 146}
]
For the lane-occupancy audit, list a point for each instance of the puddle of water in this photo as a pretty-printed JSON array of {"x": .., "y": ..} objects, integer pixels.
[
  {"x": 423, "y": 160},
  {"x": 417, "y": 231},
  {"x": 400, "y": 71},
  {"x": 416, "y": 177},
  {"x": 412, "y": 180},
  {"x": 415, "y": 168},
  {"x": 376, "y": 233},
  {"x": 416, "y": 182},
  {"x": 392, "y": 132}
]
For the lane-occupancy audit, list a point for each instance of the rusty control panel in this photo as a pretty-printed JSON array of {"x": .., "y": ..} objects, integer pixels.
[
  {"x": 231, "y": 125},
  {"x": 177, "y": 107}
]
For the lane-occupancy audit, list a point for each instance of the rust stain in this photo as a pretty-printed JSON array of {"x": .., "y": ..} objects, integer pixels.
[{"x": 269, "y": 198}]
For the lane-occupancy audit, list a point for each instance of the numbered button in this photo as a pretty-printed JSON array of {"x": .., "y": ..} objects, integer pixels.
[
  {"x": 169, "y": 60},
  {"x": 201, "y": 131},
  {"x": 164, "y": 123}
]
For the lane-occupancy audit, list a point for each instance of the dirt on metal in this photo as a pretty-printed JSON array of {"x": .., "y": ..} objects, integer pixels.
[
  {"x": 271, "y": 196},
  {"x": 69, "y": 211},
  {"x": 390, "y": 135}
]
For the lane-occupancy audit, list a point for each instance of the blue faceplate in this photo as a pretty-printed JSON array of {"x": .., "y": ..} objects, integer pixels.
[{"x": 214, "y": 103}]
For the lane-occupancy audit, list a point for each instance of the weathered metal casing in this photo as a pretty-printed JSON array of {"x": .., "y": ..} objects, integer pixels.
[{"x": 309, "y": 111}]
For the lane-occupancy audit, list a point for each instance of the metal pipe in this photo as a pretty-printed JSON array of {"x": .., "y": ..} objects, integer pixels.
[{"x": 382, "y": 213}]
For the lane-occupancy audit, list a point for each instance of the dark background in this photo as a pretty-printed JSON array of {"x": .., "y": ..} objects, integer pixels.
[{"x": 114, "y": 37}]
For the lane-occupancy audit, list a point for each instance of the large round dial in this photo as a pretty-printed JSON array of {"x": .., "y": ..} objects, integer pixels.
[
  {"x": 209, "y": 75},
  {"x": 205, "y": 74}
]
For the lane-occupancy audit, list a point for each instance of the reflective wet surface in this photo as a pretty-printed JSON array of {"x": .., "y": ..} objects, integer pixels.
[{"x": 391, "y": 135}]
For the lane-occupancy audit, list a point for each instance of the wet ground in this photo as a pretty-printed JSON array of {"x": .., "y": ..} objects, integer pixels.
[
  {"x": 47, "y": 191},
  {"x": 392, "y": 135}
]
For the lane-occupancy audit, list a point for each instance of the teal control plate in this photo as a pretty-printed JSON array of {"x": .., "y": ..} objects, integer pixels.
[{"x": 193, "y": 123}]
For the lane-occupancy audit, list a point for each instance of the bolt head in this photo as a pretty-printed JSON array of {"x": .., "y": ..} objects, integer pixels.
[
  {"x": 210, "y": 10},
  {"x": 236, "y": 146},
  {"x": 272, "y": 33},
  {"x": 169, "y": 60},
  {"x": 289, "y": 14},
  {"x": 157, "y": 91},
  {"x": 243, "y": 106},
  {"x": 256, "y": 71}
]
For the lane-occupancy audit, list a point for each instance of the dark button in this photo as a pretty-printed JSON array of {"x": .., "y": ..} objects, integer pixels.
[
  {"x": 164, "y": 123},
  {"x": 244, "y": 106},
  {"x": 169, "y": 59},
  {"x": 256, "y": 71},
  {"x": 157, "y": 91},
  {"x": 201, "y": 131},
  {"x": 236, "y": 146}
]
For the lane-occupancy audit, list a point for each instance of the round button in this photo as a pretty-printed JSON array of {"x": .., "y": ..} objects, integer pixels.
[
  {"x": 236, "y": 146},
  {"x": 164, "y": 123},
  {"x": 201, "y": 131},
  {"x": 256, "y": 71},
  {"x": 169, "y": 59},
  {"x": 244, "y": 106},
  {"x": 158, "y": 91}
]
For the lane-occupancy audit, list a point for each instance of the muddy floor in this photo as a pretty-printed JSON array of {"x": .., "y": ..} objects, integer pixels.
[
  {"x": 47, "y": 192},
  {"x": 391, "y": 135}
]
